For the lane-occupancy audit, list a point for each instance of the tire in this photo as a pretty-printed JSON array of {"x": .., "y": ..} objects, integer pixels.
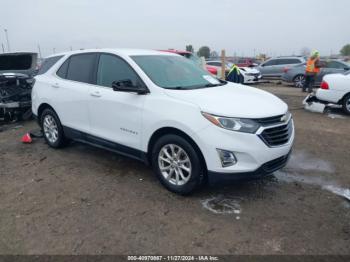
[
  {"x": 186, "y": 169},
  {"x": 346, "y": 104},
  {"x": 52, "y": 128},
  {"x": 299, "y": 81}
]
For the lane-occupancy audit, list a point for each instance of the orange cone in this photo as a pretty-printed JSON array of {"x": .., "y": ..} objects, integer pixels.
[{"x": 27, "y": 139}]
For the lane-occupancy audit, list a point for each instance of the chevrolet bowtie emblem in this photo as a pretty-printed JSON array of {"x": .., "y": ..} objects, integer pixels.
[{"x": 284, "y": 118}]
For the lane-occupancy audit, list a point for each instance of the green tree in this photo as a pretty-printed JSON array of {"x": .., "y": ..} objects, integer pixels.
[
  {"x": 204, "y": 51},
  {"x": 189, "y": 48},
  {"x": 345, "y": 51}
]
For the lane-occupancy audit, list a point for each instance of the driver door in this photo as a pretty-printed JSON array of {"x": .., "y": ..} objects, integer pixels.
[{"x": 116, "y": 116}]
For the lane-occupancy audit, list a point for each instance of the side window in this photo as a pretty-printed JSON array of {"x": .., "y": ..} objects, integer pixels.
[
  {"x": 48, "y": 63},
  {"x": 62, "y": 72},
  {"x": 112, "y": 68},
  {"x": 271, "y": 62},
  {"x": 81, "y": 68},
  {"x": 335, "y": 65}
]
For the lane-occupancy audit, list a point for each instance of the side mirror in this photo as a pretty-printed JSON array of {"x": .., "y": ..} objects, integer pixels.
[
  {"x": 346, "y": 68},
  {"x": 126, "y": 85}
]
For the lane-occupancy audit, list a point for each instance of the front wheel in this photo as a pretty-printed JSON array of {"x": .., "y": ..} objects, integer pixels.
[
  {"x": 346, "y": 104},
  {"x": 52, "y": 128},
  {"x": 177, "y": 164},
  {"x": 299, "y": 81}
]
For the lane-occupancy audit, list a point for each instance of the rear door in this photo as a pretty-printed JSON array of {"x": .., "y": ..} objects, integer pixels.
[
  {"x": 116, "y": 116},
  {"x": 71, "y": 90},
  {"x": 285, "y": 63}
]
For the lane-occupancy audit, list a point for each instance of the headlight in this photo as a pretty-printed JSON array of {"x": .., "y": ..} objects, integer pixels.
[{"x": 234, "y": 124}]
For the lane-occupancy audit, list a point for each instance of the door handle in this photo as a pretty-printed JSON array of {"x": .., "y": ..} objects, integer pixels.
[
  {"x": 55, "y": 85},
  {"x": 95, "y": 94}
]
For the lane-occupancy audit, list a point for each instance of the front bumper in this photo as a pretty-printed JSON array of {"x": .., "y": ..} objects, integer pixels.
[
  {"x": 249, "y": 149},
  {"x": 264, "y": 170}
]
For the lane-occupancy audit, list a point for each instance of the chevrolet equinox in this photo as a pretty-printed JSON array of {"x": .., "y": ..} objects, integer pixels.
[{"x": 165, "y": 110}]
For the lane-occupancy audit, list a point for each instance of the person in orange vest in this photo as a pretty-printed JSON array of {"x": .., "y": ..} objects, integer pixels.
[{"x": 313, "y": 66}]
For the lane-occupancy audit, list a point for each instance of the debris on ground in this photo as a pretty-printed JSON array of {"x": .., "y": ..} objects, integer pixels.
[{"x": 222, "y": 205}]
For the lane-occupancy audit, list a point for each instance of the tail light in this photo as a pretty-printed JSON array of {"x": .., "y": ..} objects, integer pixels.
[
  {"x": 285, "y": 70},
  {"x": 324, "y": 85}
]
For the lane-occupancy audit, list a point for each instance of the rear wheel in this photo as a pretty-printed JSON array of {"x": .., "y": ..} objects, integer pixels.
[
  {"x": 177, "y": 164},
  {"x": 299, "y": 81},
  {"x": 346, "y": 104},
  {"x": 52, "y": 128}
]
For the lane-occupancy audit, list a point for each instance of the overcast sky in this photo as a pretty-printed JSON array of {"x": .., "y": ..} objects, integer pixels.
[{"x": 276, "y": 27}]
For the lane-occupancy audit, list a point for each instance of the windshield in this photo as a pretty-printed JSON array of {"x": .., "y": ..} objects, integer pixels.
[
  {"x": 175, "y": 72},
  {"x": 195, "y": 59}
]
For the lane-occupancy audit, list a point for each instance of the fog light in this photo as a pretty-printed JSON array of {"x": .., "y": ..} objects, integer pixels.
[{"x": 227, "y": 158}]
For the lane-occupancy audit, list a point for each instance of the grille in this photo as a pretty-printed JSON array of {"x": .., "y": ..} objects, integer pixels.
[
  {"x": 277, "y": 136},
  {"x": 269, "y": 120},
  {"x": 276, "y": 164}
]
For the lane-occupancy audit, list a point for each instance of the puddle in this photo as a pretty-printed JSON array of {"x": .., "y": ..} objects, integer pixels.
[
  {"x": 301, "y": 161},
  {"x": 316, "y": 181},
  {"x": 222, "y": 205}
]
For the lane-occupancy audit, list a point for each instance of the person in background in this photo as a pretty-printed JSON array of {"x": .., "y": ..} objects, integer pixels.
[
  {"x": 313, "y": 66},
  {"x": 234, "y": 75}
]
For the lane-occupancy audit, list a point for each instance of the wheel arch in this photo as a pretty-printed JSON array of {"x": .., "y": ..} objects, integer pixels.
[
  {"x": 342, "y": 99},
  {"x": 175, "y": 131},
  {"x": 42, "y": 107}
]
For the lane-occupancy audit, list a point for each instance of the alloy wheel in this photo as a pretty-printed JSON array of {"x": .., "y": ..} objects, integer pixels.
[
  {"x": 299, "y": 81},
  {"x": 174, "y": 164},
  {"x": 50, "y": 129},
  {"x": 347, "y": 104}
]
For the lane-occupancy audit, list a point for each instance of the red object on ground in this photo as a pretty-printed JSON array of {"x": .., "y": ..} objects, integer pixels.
[{"x": 27, "y": 138}]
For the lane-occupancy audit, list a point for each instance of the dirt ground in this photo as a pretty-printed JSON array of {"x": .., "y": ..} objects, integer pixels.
[{"x": 83, "y": 200}]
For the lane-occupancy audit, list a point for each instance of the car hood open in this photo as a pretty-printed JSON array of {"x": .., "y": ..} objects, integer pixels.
[
  {"x": 21, "y": 62},
  {"x": 233, "y": 100}
]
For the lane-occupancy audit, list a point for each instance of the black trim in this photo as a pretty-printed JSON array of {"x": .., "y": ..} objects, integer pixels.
[
  {"x": 264, "y": 170},
  {"x": 105, "y": 144}
]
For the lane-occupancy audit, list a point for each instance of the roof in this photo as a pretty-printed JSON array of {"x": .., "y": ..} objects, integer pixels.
[{"x": 118, "y": 51}]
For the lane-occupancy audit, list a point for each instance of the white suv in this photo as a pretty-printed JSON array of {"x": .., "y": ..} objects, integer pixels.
[{"x": 163, "y": 109}]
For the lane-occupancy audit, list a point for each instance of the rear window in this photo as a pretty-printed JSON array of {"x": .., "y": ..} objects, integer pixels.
[
  {"x": 81, "y": 68},
  {"x": 48, "y": 63},
  {"x": 15, "y": 62}
]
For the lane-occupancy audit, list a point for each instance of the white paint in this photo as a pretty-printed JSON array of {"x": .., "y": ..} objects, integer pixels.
[
  {"x": 312, "y": 180},
  {"x": 222, "y": 205},
  {"x": 333, "y": 116},
  {"x": 301, "y": 161}
]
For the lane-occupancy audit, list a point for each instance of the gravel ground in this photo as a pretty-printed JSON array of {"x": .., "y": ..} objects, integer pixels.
[{"x": 83, "y": 200}]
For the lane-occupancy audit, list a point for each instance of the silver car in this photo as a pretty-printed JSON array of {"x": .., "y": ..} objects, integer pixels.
[
  {"x": 296, "y": 74},
  {"x": 274, "y": 67}
]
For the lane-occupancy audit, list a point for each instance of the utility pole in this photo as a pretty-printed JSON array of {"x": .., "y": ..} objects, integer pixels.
[
  {"x": 223, "y": 64},
  {"x": 3, "y": 47},
  {"x": 39, "y": 51},
  {"x": 54, "y": 50},
  {"x": 7, "y": 39}
]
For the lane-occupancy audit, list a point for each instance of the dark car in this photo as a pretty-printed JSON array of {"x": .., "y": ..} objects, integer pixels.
[
  {"x": 16, "y": 78},
  {"x": 296, "y": 74}
]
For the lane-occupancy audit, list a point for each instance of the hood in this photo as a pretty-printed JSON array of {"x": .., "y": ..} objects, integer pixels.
[
  {"x": 233, "y": 100},
  {"x": 23, "y": 63},
  {"x": 250, "y": 70}
]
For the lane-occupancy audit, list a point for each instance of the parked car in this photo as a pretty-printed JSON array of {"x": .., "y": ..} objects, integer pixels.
[
  {"x": 274, "y": 67},
  {"x": 296, "y": 74},
  {"x": 335, "y": 88},
  {"x": 16, "y": 78},
  {"x": 250, "y": 75},
  {"x": 162, "y": 109}
]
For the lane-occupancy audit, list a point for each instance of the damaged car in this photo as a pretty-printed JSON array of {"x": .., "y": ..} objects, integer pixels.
[{"x": 16, "y": 80}]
